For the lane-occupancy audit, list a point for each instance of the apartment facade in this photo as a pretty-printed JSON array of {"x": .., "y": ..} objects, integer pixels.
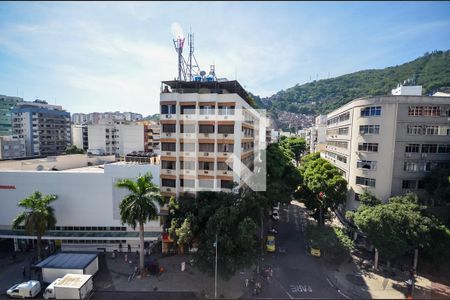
[
  {"x": 6, "y": 105},
  {"x": 115, "y": 137},
  {"x": 152, "y": 134},
  {"x": 207, "y": 130},
  {"x": 388, "y": 144},
  {"x": 80, "y": 136},
  {"x": 45, "y": 127},
  {"x": 12, "y": 147}
]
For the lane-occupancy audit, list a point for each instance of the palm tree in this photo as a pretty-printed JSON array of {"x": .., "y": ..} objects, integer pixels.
[
  {"x": 38, "y": 217},
  {"x": 139, "y": 206}
]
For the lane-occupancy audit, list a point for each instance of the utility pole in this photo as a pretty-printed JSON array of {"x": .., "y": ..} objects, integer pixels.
[{"x": 215, "y": 277}]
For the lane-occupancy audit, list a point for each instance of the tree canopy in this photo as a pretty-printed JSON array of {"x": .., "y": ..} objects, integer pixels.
[
  {"x": 437, "y": 184},
  {"x": 72, "y": 149},
  {"x": 322, "y": 186}
]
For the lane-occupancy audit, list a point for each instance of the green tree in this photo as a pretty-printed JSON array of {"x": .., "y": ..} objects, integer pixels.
[
  {"x": 72, "y": 149},
  {"x": 139, "y": 206},
  {"x": 437, "y": 184},
  {"x": 297, "y": 146},
  {"x": 395, "y": 228},
  {"x": 38, "y": 216},
  {"x": 369, "y": 199},
  {"x": 322, "y": 187}
]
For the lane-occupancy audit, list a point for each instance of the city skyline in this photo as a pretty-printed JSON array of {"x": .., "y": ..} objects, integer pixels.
[{"x": 103, "y": 57}]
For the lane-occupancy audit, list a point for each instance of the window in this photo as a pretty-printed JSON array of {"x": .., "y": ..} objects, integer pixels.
[
  {"x": 170, "y": 128},
  {"x": 429, "y": 148},
  {"x": 408, "y": 184},
  {"x": 226, "y": 184},
  {"x": 337, "y": 156},
  {"x": 206, "y": 147},
  {"x": 187, "y": 165},
  {"x": 429, "y": 111},
  {"x": 225, "y": 147},
  {"x": 339, "y": 118},
  {"x": 431, "y": 130},
  {"x": 414, "y": 129},
  {"x": 369, "y": 129},
  {"x": 187, "y": 128},
  {"x": 208, "y": 166},
  {"x": 343, "y": 131},
  {"x": 167, "y": 164},
  {"x": 366, "y": 164},
  {"x": 168, "y": 109},
  {"x": 365, "y": 181},
  {"x": 369, "y": 147},
  {"x": 187, "y": 183},
  {"x": 412, "y": 148},
  {"x": 187, "y": 147},
  {"x": 168, "y": 182},
  {"x": 412, "y": 166},
  {"x": 415, "y": 111},
  {"x": 226, "y": 129},
  {"x": 205, "y": 183},
  {"x": 371, "y": 111},
  {"x": 444, "y": 148},
  {"x": 207, "y": 110},
  {"x": 421, "y": 184},
  {"x": 168, "y": 146},
  {"x": 226, "y": 110},
  {"x": 223, "y": 166},
  {"x": 338, "y": 144},
  {"x": 188, "y": 109},
  {"x": 206, "y": 128}
]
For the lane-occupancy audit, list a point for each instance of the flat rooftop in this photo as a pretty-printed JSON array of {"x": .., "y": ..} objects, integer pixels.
[
  {"x": 67, "y": 261},
  {"x": 215, "y": 87}
]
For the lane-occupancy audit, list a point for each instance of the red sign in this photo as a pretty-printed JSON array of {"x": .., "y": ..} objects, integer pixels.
[{"x": 7, "y": 187}]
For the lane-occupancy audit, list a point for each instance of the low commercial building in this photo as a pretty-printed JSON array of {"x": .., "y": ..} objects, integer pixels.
[
  {"x": 87, "y": 208},
  {"x": 388, "y": 144}
]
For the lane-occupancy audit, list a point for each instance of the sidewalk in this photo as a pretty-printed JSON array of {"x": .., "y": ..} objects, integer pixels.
[
  {"x": 172, "y": 279},
  {"x": 356, "y": 282}
]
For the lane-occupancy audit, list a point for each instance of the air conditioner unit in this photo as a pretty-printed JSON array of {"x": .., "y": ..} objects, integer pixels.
[
  {"x": 168, "y": 116},
  {"x": 168, "y": 134},
  {"x": 225, "y": 154},
  {"x": 205, "y": 172},
  {"x": 225, "y": 117},
  {"x": 169, "y": 171},
  {"x": 168, "y": 153},
  {"x": 225, "y": 172},
  {"x": 206, "y": 117},
  {"x": 206, "y": 153},
  {"x": 188, "y": 172},
  {"x": 424, "y": 155},
  {"x": 168, "y": 189},
  {"x": 362, "y": 132},
  {"x": 188, "y": 134},
  {"x": 206, "y": 134},
  {"x": 188, "y": 116},
  {"x": 187, "y": 153},
  {"x": 225, "y": 135}
]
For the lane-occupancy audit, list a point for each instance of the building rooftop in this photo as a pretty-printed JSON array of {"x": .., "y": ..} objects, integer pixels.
[
  {"x": 217, "y": 87},
  {"x": 67, "y": 261}
]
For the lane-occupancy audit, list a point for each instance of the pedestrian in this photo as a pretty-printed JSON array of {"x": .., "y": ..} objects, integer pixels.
[
  {"x": 120, "y": 247},
  {"x": 129, "y": 248},
  {"x": 246, "y": 282},
  {"x": 23, "y": 272}
]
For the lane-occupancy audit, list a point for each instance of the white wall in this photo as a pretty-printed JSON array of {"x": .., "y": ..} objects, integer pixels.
[
  {"x": 77, "y": 136},
  {"x": 131, "y": 138}
]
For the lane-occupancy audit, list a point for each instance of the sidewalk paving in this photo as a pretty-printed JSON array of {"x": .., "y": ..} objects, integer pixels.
[
  {"x": 172, "y": 279},
  {"x": 356, "y": 282}
]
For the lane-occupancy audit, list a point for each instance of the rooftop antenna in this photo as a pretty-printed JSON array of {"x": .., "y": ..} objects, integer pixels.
[
  {"x": 186, "y": 69},
  {"x": 179, "y": 44},
  {"x": 192, "y": 65}
]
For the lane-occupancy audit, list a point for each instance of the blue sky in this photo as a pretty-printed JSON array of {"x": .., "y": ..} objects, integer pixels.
[{"x": 100, "y": 56}]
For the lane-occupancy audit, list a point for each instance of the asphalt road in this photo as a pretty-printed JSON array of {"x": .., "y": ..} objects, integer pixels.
[{"x": 296, "y": 274}]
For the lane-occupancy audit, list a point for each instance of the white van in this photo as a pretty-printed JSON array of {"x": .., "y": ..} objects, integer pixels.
[
  {"x": 27, "y": 289},
  {"x": 49, "y": 292}
]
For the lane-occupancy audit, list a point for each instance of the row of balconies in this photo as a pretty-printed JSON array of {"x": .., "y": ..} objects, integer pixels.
[
  {"x": 184, "y": 189},
  {"x": 198, "y": 135},
  {"x": 198, "y": 117},
  {"x": 196, "y": 154},
  {"x": 193, "y": 172}
]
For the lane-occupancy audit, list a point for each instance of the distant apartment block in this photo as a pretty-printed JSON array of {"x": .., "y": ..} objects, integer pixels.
[
  {"x": 152, "y": 135},
  {"x": 388, "y": 144},
  {"x": 115, "y": 137},
  {"x": 317, "y": 137},
  {"x": 80, "y": 136},
  {"x": 6, "y": 105},
  {"x": 45, "y": 127},
  {"x": 12, "y": 147},
  {"x": 95, "y": 117},
  {"x": 207, "y": 130}
]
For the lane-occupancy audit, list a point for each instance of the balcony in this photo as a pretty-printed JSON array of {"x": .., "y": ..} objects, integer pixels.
[
  {"x": 206, "y": 172},
  {"x": 188, "y": 154},
  {"x": 168, "y": 153},
  {"x": 187, "y": 172},
  {"x": 206, "y": 135},
  {"x": 226, "y": 136},
  {"x": 224, "y": 172},
  {"x": 168, "y": 117},
  {"x": 206, "y": 154},
  {"x": 224, "y": 154},
  {"x": 168, "y": 189},
  {"x": 188, "y": 135},
  {"x": 168, "y": 135},
  {"x": 168, "y": 171}
]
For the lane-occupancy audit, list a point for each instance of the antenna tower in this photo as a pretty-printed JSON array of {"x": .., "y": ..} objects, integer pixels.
[{"x": 186, "y": 69}]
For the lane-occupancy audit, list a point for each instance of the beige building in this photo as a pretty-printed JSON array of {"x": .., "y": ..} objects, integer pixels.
[
  {"x": 388, "y": 144},
  {"x": 207, "y": 130},
  {"x": 152, "y": 134}
]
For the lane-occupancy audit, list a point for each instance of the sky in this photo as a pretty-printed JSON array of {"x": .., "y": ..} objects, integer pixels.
[{"x": 112, "y": 56}]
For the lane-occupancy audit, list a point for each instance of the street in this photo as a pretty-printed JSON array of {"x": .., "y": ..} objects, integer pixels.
[{"x": 296, "y": 274}]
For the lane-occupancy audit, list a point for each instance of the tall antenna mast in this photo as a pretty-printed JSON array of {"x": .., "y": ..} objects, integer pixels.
[
  {"x": 179, "y": 44},
  {"x": 193, "y": 68}
]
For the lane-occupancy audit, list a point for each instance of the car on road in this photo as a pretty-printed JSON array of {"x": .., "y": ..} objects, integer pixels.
[
  {"x": 275, "y": 215},
  {"x": 270, "y": 243}
]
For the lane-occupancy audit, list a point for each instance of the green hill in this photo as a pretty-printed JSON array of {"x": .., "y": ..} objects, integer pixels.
[{"x": 432, "y": 71}]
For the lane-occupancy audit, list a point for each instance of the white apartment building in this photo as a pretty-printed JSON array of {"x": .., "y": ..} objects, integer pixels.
[
  {"x": 115, "y": 137},
  {"x": 80, "y": 136},
  {"x": 388, "y": 144},
  {"x": 79, "y": 118},
  {"x": 45, "y": 127},
  {"x": 207, "y": 130},
  {"x": 12, "y": 147},
  {"x": 87, "y": 208},
  {"x": 318, "y": 134}
]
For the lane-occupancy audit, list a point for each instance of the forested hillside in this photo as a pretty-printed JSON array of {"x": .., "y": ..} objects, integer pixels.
[{"x": 432, "y": 71}]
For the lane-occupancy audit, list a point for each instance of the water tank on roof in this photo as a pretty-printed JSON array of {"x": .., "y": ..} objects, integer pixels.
[
  {"x": 210, "y": 78},
  {"x": 197, "y": 78}
]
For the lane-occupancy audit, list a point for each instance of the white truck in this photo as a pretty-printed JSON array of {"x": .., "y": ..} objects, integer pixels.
[
  {"x": 71, "y": 286},
  {"x": 27, "y": 289}
]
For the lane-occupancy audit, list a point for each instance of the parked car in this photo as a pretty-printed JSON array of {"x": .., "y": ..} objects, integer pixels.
[
  {"x": 275, "y": 215},
  {"x": 270, "y": 243},
  {"x": 27, "y": 289}
]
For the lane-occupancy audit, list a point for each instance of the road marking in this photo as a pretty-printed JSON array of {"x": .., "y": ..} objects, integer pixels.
[
  {"x": 300, "y": 288},
  {"x": 339, "y": 291},
  {"x": 331, "y": 284}
]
